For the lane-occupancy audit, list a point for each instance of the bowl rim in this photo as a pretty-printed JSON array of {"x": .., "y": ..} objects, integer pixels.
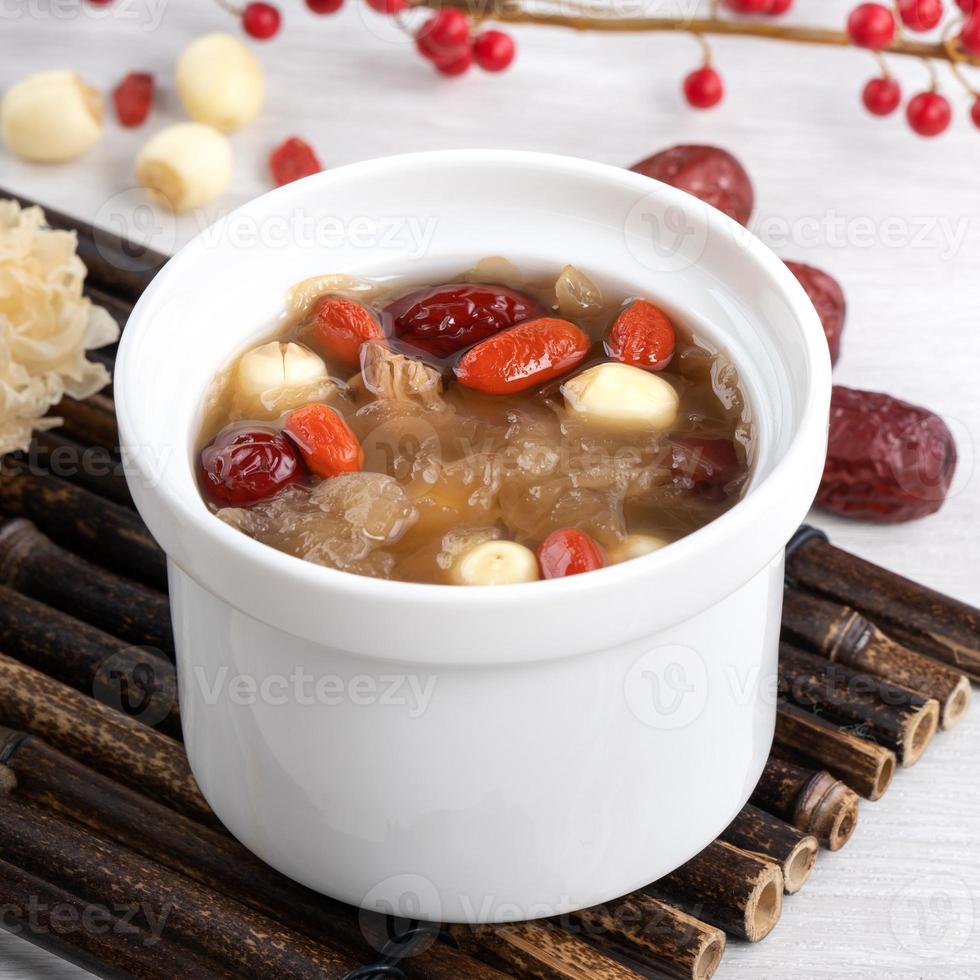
[{"x": 750, "y": 510}]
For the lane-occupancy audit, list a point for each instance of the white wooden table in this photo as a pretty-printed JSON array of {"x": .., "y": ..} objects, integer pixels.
[{"x": 893, "y": 216}]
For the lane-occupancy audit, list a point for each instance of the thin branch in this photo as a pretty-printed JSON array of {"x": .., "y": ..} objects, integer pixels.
[{"x": 512, "y": 12}]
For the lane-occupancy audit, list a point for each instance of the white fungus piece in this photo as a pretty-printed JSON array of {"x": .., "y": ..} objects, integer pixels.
[
  {"x": 220, "y": 82},
  {"x": 46, "y": 325},
  {"x": 51, "y": 117}
]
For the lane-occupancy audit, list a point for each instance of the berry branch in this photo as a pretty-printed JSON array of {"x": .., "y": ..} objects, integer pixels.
[
  {"x": 450, "y": 40},
  {"x": 512, "y": 12}
]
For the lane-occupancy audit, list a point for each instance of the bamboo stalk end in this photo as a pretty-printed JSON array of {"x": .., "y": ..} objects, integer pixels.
[
  {"x": 765, "y": 905},
  {"x": 799, "y": 864},
  {"x": 919, "y": 731},
  {"x": 957, "y": 705},
  {"x": 883, "y": 779},
  {"x": 709, "y": 957}
]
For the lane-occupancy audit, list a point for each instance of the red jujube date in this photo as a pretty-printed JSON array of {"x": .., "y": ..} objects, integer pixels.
[
  {"x": 246, "y": 463},
  {"x": 828, "y": 299},
  {"x": 707, "y": 172},
  {"x": 444, "y": 320},
  {"x": 887, "y": 460}
]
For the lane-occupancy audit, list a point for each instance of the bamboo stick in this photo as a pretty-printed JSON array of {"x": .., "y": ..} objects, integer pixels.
[
  {"x": 727, "y": 887},
  {"x": 51, "y": 780},
  {"x": 844, "y": 636},
  {"x": 539, "y": 950},
  {"x": 101, "y": 531},
  {"x": 90, "y": 421},
  {"x": 92, "y": 468},
  {"x": 101, "y": 737},
  {"x": 33, "y": 564},
  {"x": 921, "y": 618},
  {"x": 138, "y": 682},
  {"x": 654, "y": 935},
  {"x": 811, "y": 801},
  {"x": 813, "y": 741},
  {"x": 894, "y": 716},
  {"x": 226, "y": 933},
  {"x": 115, "y": 265},
  {"x": 760, "y": 833},
  {"x": 94, "y": 936}
]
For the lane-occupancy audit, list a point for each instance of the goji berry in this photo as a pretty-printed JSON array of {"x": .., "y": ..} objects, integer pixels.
[
  {"x": 133, "y": 97},
  {"x": 642, "y": 336},
  {"x": 528, "y": 354},
  {"x": 569, "y": 552},
  {"x": 292, "y": 160},
  {"x": 340, "y": 326},
  {"x": 325, "y": 440}
]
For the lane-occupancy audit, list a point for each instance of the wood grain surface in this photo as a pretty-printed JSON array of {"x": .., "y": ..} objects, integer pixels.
[{"x": 893, "y": 216}]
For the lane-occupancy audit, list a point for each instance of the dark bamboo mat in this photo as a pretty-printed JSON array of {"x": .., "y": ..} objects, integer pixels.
[{"x": 101, "y": 815}]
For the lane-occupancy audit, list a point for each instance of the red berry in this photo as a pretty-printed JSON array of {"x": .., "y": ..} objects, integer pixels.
[
  {"x": 642, "y": 336},
  {"x": 871, "y": 25},
  {"x": 920, "y": 15},
  {"x": 245, "y": 464},
  {"x": 455, "y": 63},
  {"x": 975, "y": 113},
  {"x": 529, "y": 354},
  {"x": 569, "y": 552},
  {"x": 444, "y": 35},
  {"x": 968, "y": 6},
  {"x": 703, "y": 88},
  {"x": 325, "y": 440},
  {"x": 291, "y": 160},
  {"x": 970, "y": 34},
  {"x": 929, "y": 113},
  {"x": 261, "y": 20},
  {"x": 494, "y": 50},
  {"x": 441, "y": 321},
  {"x": 324, "y": 6},
  {"x": 778, "y": 7},
  {"x": 388, "y": 6},
  {"x": 133, "y": 97},
  {"x": 341, "y": 326},
  {"x": 882, "y": 96}
]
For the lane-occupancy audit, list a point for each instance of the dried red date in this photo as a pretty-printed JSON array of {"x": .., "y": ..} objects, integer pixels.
[
  {"x": 246, "y": 464},
  {"x": 887, "y": 460},
  {"x": 441, "y": 321},
  {"x": 700, "y": 462},
  {"x": 707, "y": 172},
  {"x": 828, "y": 299}
]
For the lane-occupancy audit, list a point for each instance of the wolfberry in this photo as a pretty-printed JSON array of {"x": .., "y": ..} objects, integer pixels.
[
  {"x": 133, "y": 97},
  {"x": 569, "y": 552},
  {"x": 642, "y": 336},
  {"x": 340, "y": 326},
  {"x": 325, "y": 440},
  {"x": 887, "y": 460},
  {"x": 523, "y": 356},
  {"x": 707, "y": 172},
  {"x": 292, "y": 160},
  {"x": 245, "y": 464},
  {"x": 443, "y": 320},
  {"x": 828, "y": 298}
]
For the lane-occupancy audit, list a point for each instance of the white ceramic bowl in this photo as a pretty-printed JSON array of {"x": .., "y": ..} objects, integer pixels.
[{"x": 475, "y": 754}]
